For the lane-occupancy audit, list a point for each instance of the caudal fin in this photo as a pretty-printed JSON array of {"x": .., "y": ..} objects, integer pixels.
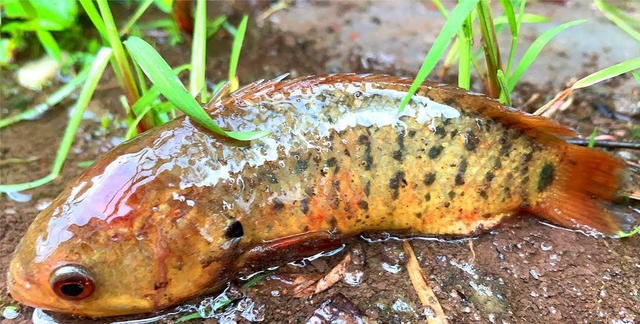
[{"x": 584, "y": 192}]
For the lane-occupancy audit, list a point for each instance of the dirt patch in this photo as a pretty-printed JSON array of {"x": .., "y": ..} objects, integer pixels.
[{"x": 522, "y": 272}]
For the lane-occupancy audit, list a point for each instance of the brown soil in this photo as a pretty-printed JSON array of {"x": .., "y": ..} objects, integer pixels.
[{"x": 522, "y": 272}]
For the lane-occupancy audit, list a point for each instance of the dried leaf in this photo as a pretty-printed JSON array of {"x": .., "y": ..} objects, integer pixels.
[{"x": 426, "y": 295}]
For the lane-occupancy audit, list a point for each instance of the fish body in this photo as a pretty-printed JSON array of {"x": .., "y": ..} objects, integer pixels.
[{"x": 177, "y": 211}]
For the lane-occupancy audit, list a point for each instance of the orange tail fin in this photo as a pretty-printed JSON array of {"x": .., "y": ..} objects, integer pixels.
[{"x": 584, "y": 192}]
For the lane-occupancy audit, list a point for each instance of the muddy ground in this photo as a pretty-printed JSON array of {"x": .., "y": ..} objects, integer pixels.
[{"x": 522, "y": 272}]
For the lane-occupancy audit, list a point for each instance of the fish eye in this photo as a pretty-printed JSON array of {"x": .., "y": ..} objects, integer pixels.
[{"x": 72, "y": 282}]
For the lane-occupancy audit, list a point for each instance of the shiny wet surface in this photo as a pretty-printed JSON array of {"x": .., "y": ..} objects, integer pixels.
[{"x": 523, "y": 272}]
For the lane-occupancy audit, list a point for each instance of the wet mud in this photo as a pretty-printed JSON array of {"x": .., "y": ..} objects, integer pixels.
[{"x": 522, "y": 272}]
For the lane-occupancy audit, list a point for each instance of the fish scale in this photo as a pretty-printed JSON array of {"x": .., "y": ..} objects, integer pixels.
[{"x": 178, "y": 211}]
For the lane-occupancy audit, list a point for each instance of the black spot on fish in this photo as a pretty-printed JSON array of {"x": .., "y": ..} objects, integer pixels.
[
  {"x": 525, "y": 180},
  {"x": 483, "y": 194},
  {"x": 277, "y": 204},
  {"x": 440, "y": 131},
  {"x": 331, "y": 162},
  {"x": 489, "y": 176},
  {"x": 418, "y": 215},
  {"x": 459, "y": 179},
  {"x": 547, "y": 175},
  {"x": 400, "y": 139},
  {"x": 486, "y": 216},
  {"x": 301, "y": 166},
  {"x": 435, "y": 151},
  {"x": 470, "y": 141},
  {"x": 526, "y": 158},
  {"x": 363, "y": 204},
  {"x": 234, "y": 230},
  {"x": 347, "y": 153},
  {"x": 395, "y": 182},
  {"x": 524, "y": 170},
  {"x": 412, "y": 133},
  {"x": 427, "y": 197},
  {"x": 397, "y": 155},
  {"x": 463, "y": 166},
  {"x": 497, "y": 164},
  {"x": 507, "y": 191},
  {"x": 333, "y": 222},
  {"x": 453, "y": 133},
  {"x": 429, "y": 178},
  {"x": 451, "y": 194},
  {"x": 363, "y": 139},
  {"x": 447, "y": 204},
  {"x": 336, "y": 184},
  {"x": 304, "y": 205},
  {"x": 367, "y": 188}
]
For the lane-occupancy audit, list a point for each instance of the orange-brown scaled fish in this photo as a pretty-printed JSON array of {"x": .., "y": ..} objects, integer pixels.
[{"x": 177, "y": 211}]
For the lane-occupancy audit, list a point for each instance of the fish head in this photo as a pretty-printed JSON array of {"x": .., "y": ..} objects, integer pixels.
[{"x": 124, "y": 238}]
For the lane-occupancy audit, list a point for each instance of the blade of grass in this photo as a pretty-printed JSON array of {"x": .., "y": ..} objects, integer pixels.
[
  {"x": 235, "y": 52},
  {"x": 51, "y": 101},
  {"x": 505, "y": 95},
  {"x": 619, "y": 18},
  {"x": 130, "y": 87},
  {"x": 465, "y": 35},
  {"x": 525, "y": 18},
  {"x": 441, "y": 8},
  {"x": 141, "y": 9},
  {"x": 449, "y": 30},
  {"x": 49, "y": 43},
  {"x": 198, "y": 52},
  {"x": 97, "y": 68},
  {"x": 145, "y": 104},
  {"x": 592, "y": 137},
  {"x": 607, "y": 73},
  {"x": 535, "y": 48},
  {"x": 636, "y": 76},
  {"x": 514, "y": 26},
  {"x": 159, "y": 72},
  {"x": 491, "y": 48},
  {"x": 94, "y": 15}
]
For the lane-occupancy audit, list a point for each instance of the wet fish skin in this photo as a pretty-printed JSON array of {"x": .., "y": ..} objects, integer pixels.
[{"x": 177, "y": 211}]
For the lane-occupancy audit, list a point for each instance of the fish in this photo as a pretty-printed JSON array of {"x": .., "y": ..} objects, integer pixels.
[{"x": 177, "y": 211}]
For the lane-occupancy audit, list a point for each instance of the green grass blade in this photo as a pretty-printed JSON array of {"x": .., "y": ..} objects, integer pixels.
[
  {"x": 636, "y": 76},
  {"x": 511, "y": 16},
  {"x": 130, "y": 87},
  {"x": 491, "y": 48},
  {"x": 51, "y": 101},
  {"x": 608, "y": 73},
  {"x": 141, "y": 9},
  {"x": 91, "y": 11},
  {"x": 97, "y": 68},
  {"x": 160, "y": 74},
  {"x": 535, "y": 48},
  {"x": 198, "y": 52},
  {"x": 592, "y": 137},
  {"x": 441, "y": 8},
  {"x": 505, "y": 95},
  {"x": 214, "y": 25},
  {"x": 525, "y": 18},
  {"x": 465, "y": 35},
  {"x": 449, "y": 30},
  {"x": 188, "y": 317},
  {"x": 49, "y": 43},
  {"x": 618, "y": 17},
  {"x": 235, "y": 52},
  {"x": 514, "y": 39}
]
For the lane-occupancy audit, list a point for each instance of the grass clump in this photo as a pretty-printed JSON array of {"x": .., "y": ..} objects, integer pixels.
[{"x": 144, "y": 108}]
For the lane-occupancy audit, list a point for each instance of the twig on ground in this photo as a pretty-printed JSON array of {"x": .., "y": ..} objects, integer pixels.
[{"x": 426, "y": 295}]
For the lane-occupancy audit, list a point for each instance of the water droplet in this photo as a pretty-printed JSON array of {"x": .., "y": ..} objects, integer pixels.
[
  {"x": 353, "y": 278},
  {"x": 18, "y": 196},
  {"x": 395, "y": 268},
  {"x": 545, "y": 247},
  {"x": 10, "y": 312}
]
